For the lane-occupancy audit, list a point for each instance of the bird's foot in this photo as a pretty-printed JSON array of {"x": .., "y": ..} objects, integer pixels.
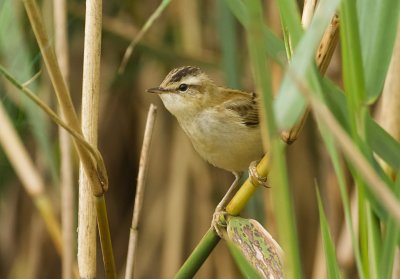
[
  {"x": 255, "y": 178},
  {"x": 219, "y": 221}
]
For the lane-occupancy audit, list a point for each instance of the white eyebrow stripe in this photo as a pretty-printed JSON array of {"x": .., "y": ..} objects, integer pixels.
[{"x": 191, "y": 80}]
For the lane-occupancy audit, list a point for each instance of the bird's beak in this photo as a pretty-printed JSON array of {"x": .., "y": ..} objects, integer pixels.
[{"x": 157, "y": 90}]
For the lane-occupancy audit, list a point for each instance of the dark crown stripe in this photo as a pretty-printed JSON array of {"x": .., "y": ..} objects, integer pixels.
[{"x": 183, "y": 72}]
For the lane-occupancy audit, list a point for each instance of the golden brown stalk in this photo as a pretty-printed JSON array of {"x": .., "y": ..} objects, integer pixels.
[
  {"x": 66, "y": 175},
  {"x": 144, "y": 159},
  {"x": 308, "y": 12},
  {"x": 94, "y": 168},
  {"x": 90, "y": 205}
]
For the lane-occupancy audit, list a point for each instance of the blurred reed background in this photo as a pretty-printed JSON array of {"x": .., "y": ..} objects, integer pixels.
[{"x": 181, "y": 189}]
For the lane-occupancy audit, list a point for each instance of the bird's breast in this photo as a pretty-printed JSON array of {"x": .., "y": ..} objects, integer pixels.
[{"x": 224, "y": 143}]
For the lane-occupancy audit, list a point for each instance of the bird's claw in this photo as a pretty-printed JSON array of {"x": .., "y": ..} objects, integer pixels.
[
  {"x": 255, "y": 178},
  {"x": 219, "y": 221}
]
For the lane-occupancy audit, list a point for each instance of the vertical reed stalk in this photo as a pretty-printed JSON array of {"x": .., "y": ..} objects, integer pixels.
[
  {"x": 66, "y": 175},
  {"x": 88, "y": 204},
  {"x": 133, "y": 232},
  {"x": 98, "y": 179}
]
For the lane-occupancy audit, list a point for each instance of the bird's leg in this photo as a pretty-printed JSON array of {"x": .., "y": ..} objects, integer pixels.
[{"x": 220, "y": 209}]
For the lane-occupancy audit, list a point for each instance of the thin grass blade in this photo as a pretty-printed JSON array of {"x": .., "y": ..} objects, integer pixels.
[
  {"x": 383, "y": 144},
  {"x": 156, "y": 14}
]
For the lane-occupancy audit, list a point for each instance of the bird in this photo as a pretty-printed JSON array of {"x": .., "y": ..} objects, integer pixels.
[{"x": 222, "y": 123}]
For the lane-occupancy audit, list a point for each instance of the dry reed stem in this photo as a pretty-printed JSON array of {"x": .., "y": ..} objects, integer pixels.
[
  {"x": 90, "y": 109},
  {"x": 66, "y": 175},
  {"x": 94, "y": 167},
  {"x": 323, "y": 57},
  {"x": 308, "y": 12},
  {"x": 328, "y": 45},
  {"x": 100, "y": 201},
  {"x": 125, "y": 30},
  {"x": 143, "y": 164},
  {"x": 29, "y": 176}
]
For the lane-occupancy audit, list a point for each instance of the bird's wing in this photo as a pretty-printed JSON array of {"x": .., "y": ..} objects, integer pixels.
[{"x": 245, "y": 106}]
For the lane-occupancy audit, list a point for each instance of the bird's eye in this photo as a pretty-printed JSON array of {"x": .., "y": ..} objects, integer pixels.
[{"x": 183, "y": 87}]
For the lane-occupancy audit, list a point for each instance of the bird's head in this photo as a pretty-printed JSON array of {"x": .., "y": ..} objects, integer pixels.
[{"x": 185, "y": 90}]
